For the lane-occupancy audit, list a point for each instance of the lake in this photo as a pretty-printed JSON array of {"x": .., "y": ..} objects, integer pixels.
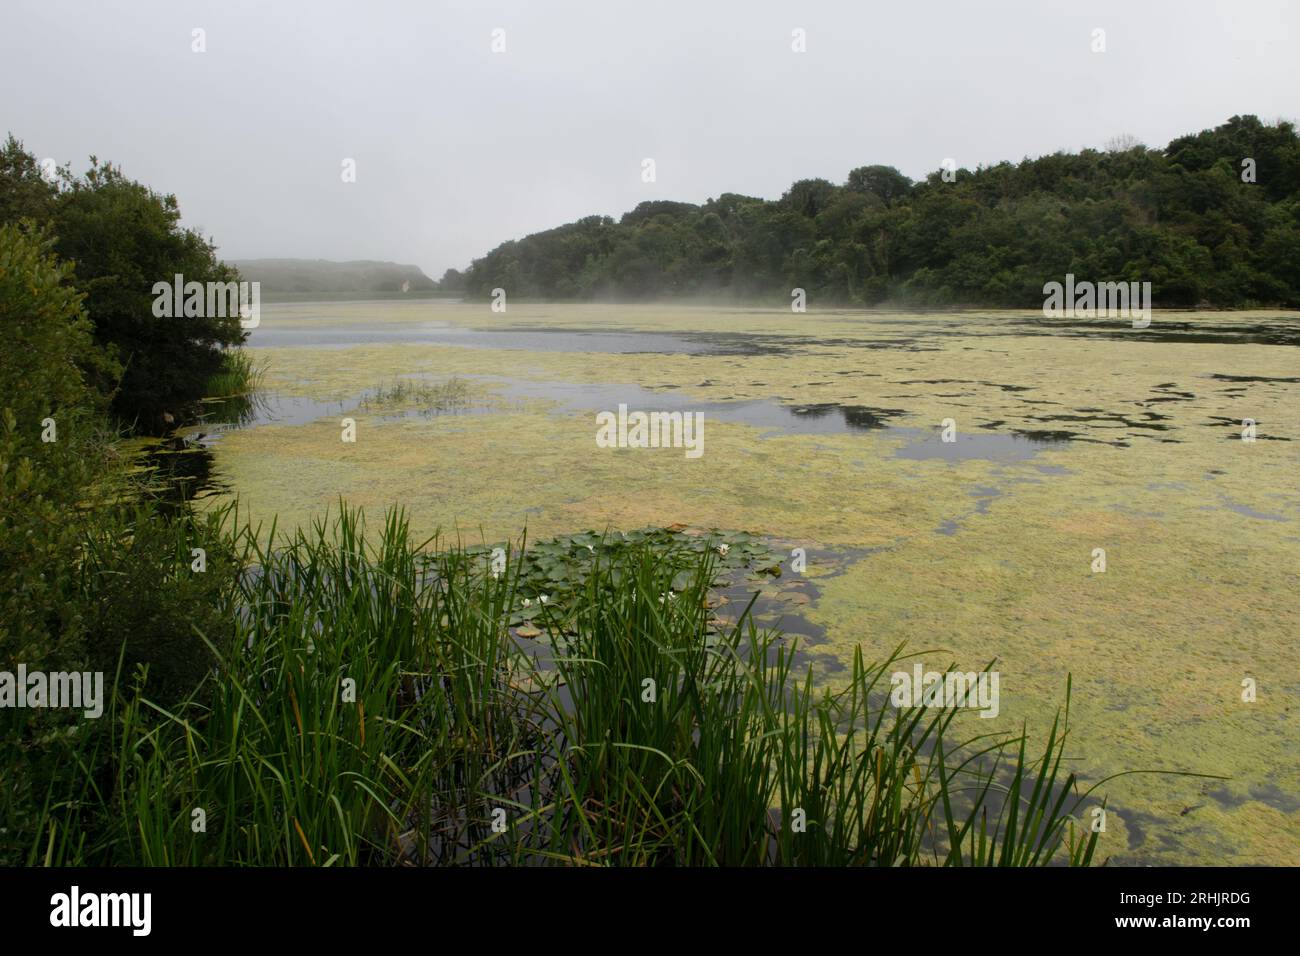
[{"x": 825, "y": 431}]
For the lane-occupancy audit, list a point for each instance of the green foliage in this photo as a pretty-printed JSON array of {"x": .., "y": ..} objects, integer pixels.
[
  {"x": 234, "y": 393},
  {"x": 88, "y": 578},
  {"x": 146, "y": 604},
  {"x": 452, "y": 281},
  {"x": 44, "y": 485},
  {"x": 24, "y": 192},
  {"x": 884, "y": 182},
  {"x": 553, "y": 576},
  {"x": 122, "y": 238},
  {"x": 371, "y": 707},
  {"x": 1181, "y": 218}
]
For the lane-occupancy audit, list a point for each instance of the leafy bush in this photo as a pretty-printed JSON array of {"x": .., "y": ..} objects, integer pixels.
[{"x": 44, "y": 485}]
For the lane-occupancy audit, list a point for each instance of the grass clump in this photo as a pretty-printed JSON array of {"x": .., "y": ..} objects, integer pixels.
[
  {"x": 235, "y": 391},
  {"x": 426, "y": 397}
]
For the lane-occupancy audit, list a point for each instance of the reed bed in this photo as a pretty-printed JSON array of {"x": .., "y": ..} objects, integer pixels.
[{"x": 370, "y": 703}]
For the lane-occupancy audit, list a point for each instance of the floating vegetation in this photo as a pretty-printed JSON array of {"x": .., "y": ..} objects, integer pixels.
[
  {"x": 1159, "y": 644},
  {"x": 552, "y": 574}
]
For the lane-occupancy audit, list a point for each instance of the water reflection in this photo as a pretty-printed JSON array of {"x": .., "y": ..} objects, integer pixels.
[{"x": 770, "y": 416}]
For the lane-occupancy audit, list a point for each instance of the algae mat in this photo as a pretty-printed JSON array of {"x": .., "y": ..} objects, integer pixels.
[{"x": 824, "y": 431}]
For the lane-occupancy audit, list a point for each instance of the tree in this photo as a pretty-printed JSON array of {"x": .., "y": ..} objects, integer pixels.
[
  {"x": 1122, "y": 143},
  {"x": 24, "y": 192},
  {"x": 808, "y": 197},
  {"x": 884, "y": 182},
  {"x": 1183, "y": 218},
  {"x": 122, "y": 239}
]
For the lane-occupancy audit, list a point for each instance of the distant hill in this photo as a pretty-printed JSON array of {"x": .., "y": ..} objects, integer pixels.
[{"x": 305, "y": 278}]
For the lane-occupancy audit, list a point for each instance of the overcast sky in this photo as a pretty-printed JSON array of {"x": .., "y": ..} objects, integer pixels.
[{"x": 458, "y": 148}]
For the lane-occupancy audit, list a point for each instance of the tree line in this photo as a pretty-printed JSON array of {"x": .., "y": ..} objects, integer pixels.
[{"x": 1212, "y": 219}]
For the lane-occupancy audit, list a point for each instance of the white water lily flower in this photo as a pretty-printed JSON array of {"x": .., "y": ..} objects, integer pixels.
[
  {"x": 527, "y": 602},
  {"x": 543, "y": 599},
  {"x": 723, "y": 549}
]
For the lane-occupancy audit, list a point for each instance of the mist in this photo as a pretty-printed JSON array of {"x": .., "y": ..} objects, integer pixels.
[{"x": 458, "y": 148}]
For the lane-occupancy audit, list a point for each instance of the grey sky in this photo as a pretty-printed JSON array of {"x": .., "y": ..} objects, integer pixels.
[{"x": 458, "y": 148}]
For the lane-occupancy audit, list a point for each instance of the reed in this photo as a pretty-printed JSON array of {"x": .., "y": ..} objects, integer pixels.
[{"x": 234, "y": 392}]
